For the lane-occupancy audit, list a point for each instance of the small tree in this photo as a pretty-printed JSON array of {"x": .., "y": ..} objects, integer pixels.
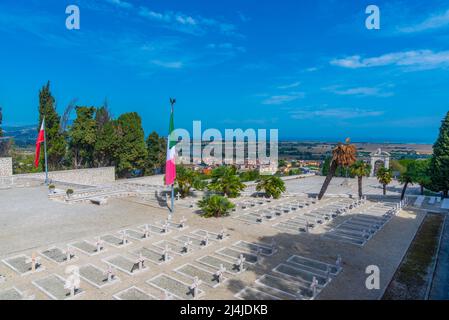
[
  {"x": 69, "y": 192},
  {"x": 422, "y": 174},
  {"x": 186, "y": 179},
  {"x": 215, "y": 206},
  {"x": 272, "y": 186},
  {"x": 384, "y": 176},
  {"x": 360, "y": 169},
  {"x": 226, "y": 181}
]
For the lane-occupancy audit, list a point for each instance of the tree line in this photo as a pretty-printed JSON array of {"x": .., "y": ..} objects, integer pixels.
[
  {"x": 431, "y": 174},
  {"x": 97, "y": 139}
]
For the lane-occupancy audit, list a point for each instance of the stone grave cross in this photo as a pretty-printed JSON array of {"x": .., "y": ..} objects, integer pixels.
[
  {"x": 222, "y": 234},
  {"x": 273, "y": 247},
  {"x": 73, "y": 280},
  {"x": 194, "y": 287},
  {"x": 124, "y": 237},
  {"x": 165, "y": 253},
  {"x": 313, "y": 286},
  {"x": 165, "y": 226},
  {"x": 70, "y": 254},
  {"x": 259, "y": 255},
  {"x": 187, "y": 245},
  {"x": 338, "y": 262},
  {"x": 99, "y": 244},
  {"x": 167, "y": 295},
  {"x": 147, "y": 232},
  {"x": 140, "y": 261},
  {"x": 206, "y": 239},
  {"x": 220, "y": 272},
  {"x": 110, "y": 273},
  {"x": 34, "y": 260},
  {"x": 241, "y": 262},
  {"x": 182, "y": 223}
]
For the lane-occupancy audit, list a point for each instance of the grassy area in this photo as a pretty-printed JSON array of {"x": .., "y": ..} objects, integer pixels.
[{"x": 413, "y": 275}]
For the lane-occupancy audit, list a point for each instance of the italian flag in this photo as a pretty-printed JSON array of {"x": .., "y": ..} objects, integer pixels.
[
  {"x": 40, "y": 139},
  {"x": 170, "y": 166}
]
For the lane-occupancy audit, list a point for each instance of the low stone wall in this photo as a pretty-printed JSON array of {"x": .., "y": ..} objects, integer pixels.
[
  {"x": 5, "y": 167},
  {"x": 88, "y": 177}
]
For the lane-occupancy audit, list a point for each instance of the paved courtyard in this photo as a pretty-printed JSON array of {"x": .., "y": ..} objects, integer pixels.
[{"x": 292, "y": 248}]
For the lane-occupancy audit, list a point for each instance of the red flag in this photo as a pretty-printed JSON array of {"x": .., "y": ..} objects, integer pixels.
[{"x": 40, "y": 139}]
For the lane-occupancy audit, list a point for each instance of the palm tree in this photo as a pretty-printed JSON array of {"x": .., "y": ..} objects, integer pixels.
[
  {"x": 360, "y": 169},
  {"x": 272, "y": 186},
  {"x": 226, "y": 181},
  {"x": 406, "y": 178},
  {"x": 410, "y": 176},
  {"x": 186, "y": 179},
  {"x": 344, "y": 154},
  {"x": 215, "y": 206},
  {"x": 384, "y": 176}
]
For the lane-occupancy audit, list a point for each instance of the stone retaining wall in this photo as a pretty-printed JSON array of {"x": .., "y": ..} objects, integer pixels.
[
  {"x": 5, "y": 167},
  {"x": 88, "y": 177}
]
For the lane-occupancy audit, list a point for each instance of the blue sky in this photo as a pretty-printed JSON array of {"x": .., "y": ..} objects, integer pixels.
[{"x": 309, "y": 68}]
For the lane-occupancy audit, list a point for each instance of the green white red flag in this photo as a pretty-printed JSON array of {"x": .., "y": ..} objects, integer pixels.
[{"x": 170, "y": 165}]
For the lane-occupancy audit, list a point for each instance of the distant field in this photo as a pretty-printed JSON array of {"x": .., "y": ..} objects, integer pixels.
[{"x": 320, "y": 150}]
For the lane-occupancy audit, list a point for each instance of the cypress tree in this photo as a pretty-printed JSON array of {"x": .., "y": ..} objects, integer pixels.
[
  {"x": 83, "y": 136},
  {"x": 131, "y": 151},
  {"x": 440, "y": 160},
  {"x": 56, "y": 144}
]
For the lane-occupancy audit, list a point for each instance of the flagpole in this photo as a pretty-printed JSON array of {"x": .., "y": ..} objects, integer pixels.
[
  {"x": 172, "y": 209},
  {"x": 172, "y": 198},
  {"x": 45, "y": 154}
]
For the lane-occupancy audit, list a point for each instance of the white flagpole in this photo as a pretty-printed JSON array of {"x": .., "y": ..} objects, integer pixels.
[{"x": 45, "y": 153}]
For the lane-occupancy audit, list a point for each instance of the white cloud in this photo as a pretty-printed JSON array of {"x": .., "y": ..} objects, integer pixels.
[
  {"x": 360, "y": 91},
  {"x": 168, "y": 64},
  {"x": 181, "y": 22},
  {"x": 290, "y": 86},
  {"x": 185, "y": 20},
  {"x": 281, "y": 99},
  {"x": 121, "y": 3},
  {"x": 435, "y": 21},
  {"x": 337, "y": 113},
  {"x": 418, "y": 60}
]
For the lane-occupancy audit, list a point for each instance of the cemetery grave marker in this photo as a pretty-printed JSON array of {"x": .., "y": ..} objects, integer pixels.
[
  {"x": 175, "y": 287},
  {"x": 116, "y": 241},
  {"x": 23, "y": 264},
  {"x": 11, "y": 294},
  {"x": 133, "y": 293},
  {"x": 214, "y": 262},
  {"x": 54, "y": 286},
  {"x": 301, "y": 275},
  {"x": 59, "y": 256},
  {"x": 234, "y": 254},
  {"x": 176, "y": 248},
  {"x": 125, "y": 264},
  {"x": 208, "y": 278},
  {"x": 98, "y": 277},
  {"x": 288, "y": 287},
  {"x": 89, "y": 248},
  {"x": 249, "y": 293},
  {"x": 149, "y": 254}
]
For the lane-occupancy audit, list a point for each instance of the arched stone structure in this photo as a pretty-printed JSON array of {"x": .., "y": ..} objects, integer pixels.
[{"x": 379, "y": 157}]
